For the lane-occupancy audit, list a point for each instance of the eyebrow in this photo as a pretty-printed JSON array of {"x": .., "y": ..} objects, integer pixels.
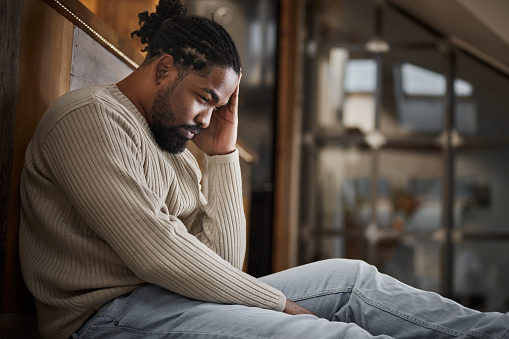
[{"x": 212, "y": 93}]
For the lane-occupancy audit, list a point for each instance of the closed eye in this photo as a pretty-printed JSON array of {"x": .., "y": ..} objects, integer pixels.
[{"x": 219, "y": 107}]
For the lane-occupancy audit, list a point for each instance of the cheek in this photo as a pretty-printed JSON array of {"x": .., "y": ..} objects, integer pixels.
[
  {"x": 185, "y": 112},
  {"x": 192, "y": 108}
]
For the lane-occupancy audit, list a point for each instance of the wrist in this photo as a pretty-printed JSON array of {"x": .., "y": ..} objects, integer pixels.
[
  {"x": 223, "y": 158},
  {"x": 221, "y": 152}
]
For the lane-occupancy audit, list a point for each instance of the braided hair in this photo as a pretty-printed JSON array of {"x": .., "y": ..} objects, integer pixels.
[{"x": 196, "y": 43}]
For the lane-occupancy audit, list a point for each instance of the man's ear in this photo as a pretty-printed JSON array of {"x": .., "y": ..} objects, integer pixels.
[{"x": 165, "y": 67}]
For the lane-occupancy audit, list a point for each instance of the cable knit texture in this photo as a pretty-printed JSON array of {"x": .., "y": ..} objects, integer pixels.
[{"x": 105, "y": 210}]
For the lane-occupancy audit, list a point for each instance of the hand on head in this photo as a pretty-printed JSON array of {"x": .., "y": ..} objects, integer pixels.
[{"x": 220, "y": 137}]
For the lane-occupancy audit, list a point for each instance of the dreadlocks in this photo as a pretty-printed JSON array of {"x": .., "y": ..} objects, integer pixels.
[{"x": 195, "y": 42}]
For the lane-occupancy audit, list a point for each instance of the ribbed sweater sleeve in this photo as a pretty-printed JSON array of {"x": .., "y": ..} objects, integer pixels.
[
  {"x": 110, "y": 182},
  {"x": 224, "y": 224}
]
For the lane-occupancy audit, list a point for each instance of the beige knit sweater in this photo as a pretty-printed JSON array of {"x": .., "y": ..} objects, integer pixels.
[{"x": 104, "y": 210}]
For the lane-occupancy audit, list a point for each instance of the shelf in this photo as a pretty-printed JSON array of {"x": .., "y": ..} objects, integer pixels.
[
  {"x": 329, "y": 137},
  {"x": 437, "y": 235}
]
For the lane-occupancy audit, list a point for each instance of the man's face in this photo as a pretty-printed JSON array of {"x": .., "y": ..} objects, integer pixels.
[{"x": 182, "y": 107}]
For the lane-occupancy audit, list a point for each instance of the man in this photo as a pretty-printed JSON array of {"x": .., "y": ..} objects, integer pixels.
[{"x": 116, "y": 240}]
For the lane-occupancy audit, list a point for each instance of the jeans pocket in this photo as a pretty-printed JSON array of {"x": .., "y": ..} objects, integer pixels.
[
  {"x": 120, "y": 306},
  {"x": 110, "y": 313},
  {"x": 84, "y": 333}
]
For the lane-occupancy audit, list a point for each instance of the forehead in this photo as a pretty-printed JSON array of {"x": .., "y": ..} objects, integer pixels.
[{"x": 222, "y": 81}]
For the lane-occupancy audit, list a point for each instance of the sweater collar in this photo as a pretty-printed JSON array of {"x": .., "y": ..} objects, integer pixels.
[{"x": 122, "y": 99}]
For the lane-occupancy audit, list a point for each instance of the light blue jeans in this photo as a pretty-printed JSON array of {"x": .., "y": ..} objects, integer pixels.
[{"x": 351, "y": 298}]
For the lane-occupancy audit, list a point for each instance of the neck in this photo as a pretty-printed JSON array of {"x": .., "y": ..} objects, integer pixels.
[{"x": 135, "y": 89}]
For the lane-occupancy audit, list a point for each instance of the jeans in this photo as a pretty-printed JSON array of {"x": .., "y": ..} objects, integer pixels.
[{"x": 351, "y": 298}]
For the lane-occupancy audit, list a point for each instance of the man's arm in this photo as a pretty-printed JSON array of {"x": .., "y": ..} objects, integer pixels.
[
  {"x": 221, "y": 223},
  {"x": 223, "y": 227},
  {"x": 219, "y": 138},
  {"x": 97, "y": 164}
]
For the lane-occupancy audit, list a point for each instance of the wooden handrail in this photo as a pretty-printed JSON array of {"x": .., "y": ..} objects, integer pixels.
[{"x": 82, "y": 17}]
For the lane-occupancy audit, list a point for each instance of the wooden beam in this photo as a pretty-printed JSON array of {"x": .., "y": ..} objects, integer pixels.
[
  {"x": 81, "y": 16},
  {"x": 10, "y": 30},
  {"x": 288, "y": 134},
  {"x": 44, "y": 75}
]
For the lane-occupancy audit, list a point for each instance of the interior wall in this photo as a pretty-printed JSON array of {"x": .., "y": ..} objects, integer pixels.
[
  {"x": 10, "y": 31},
  {"x": 35, "y": 70},
  {"x": 44, "y": 73},
  {"x": 122, "y": 15}
]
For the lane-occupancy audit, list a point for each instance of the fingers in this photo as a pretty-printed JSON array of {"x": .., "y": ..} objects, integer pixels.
[
  {"x": 293, "y": 308},
  {"x": 235, "y": 96}
]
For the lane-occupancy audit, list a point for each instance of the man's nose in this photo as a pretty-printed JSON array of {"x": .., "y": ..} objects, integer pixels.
[{"x": 204, "y": 118}]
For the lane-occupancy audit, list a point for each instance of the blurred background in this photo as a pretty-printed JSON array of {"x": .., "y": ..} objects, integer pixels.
[
  {"x": 403, "y": 132},
  {"x": 373, "y": 129}
]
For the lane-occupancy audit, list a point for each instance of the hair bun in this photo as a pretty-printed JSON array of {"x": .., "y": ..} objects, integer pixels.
[
  {"x": 167, "y": 9},
  {"x": 150, "y": 23}
]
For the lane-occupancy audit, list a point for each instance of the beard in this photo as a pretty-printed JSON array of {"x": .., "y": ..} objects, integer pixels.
[
  {"x": 168, "y": 139},
  {"x": 165, "y": 133}
]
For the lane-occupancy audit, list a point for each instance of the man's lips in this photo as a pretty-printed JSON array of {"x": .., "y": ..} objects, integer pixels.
[{"x": 189, "y": 132}]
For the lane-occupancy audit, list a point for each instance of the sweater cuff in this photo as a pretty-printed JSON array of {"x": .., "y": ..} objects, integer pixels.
[
  {"x": 281, "y": 303},
  {"x": 223, "y": 159}
]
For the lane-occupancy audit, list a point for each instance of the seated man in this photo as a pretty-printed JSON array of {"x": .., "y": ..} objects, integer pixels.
[{"x": 117, "y": 241}]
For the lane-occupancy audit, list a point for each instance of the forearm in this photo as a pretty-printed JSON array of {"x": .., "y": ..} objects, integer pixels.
[
  {"x": 188, "y": 267},
  {"x": 224, "y": 225}
]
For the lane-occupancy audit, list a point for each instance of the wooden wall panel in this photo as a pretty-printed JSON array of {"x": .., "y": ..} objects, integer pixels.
[
  {"x": 44, "y": 73},
  {"x": 10, "y": 31},
  {"x": 286, "y": 191},
  {"x": 122, "y": 16}
]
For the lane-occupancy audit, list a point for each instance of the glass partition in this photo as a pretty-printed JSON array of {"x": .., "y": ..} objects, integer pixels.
[
  {"x": 482, "y": 188},
  {"x": 415, "y": 180},
  {"x": 400, "y": 31},
  {"x": 414, "y": 93},
  {"x": 345, "y": 21},
  {"x": 344, "y": 187},
  {"x": 386, "y": 177},
  {"x": 483, "y": 105},
  {"x": 346, "y": 91},
  {"x": 414, "y": 262},
  {"x": 481, "y": 274}
]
